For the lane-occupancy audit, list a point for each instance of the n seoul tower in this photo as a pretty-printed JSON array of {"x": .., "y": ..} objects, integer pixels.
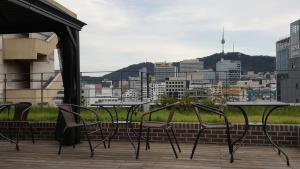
[{"x": 223, "y": 42}]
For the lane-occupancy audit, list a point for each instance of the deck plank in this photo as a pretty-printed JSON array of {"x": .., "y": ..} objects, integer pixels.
[{"x": 44, "y": 155}]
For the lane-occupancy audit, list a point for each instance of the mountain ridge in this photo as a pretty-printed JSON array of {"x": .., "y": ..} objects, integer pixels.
[{"x": 255, "y": 63}]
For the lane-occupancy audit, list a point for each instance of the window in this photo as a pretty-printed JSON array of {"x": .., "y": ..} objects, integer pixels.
[{"x": 293, "y": 65}]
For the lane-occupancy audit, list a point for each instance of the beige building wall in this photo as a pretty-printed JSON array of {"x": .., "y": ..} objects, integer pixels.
[{"x": 23, "y": 58}]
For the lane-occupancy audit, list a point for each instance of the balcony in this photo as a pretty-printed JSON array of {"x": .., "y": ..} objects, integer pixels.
[{"x": 28, "y": 48}]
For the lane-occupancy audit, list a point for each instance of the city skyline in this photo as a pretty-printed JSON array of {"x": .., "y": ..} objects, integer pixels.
[{"x": 137, "y": 31}]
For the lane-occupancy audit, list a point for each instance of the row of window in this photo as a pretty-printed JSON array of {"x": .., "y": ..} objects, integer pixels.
[
  {"x": 172, "y": 86},
  {"x": 175, "y": 82},
  {"x": 174, "y": 90}
]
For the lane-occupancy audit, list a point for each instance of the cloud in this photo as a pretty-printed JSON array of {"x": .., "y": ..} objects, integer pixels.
[{"x": 123, "y": 32}]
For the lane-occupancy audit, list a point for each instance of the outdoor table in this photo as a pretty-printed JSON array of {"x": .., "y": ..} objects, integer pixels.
[
  {"x": 131, "y": 109},
  {"x": 269, "y": 108},
  {"x": 7, "y": 106}
]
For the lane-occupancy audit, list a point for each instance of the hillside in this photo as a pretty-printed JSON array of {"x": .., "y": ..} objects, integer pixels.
[{"x": 256, "y": 63}]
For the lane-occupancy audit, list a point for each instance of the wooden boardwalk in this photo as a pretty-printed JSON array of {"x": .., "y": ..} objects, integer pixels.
[{"x": 43, "y": 155}]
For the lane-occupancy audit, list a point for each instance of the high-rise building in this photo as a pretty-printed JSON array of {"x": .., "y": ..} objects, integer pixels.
[
  {"x": 228, "y": 71},
  {"x": 288, "y": 89},
  {"x": 163, "y": 70},
  {"x": 282, "y": 57}
]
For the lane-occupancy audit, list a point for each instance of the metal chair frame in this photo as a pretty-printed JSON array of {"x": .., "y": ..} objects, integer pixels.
[
  {"x": 203, "y": 126},
  {"x": 70, "y": 119},
  {"x": 166, "y": 126}
]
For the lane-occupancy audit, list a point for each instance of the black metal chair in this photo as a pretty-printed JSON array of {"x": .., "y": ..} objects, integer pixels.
[
  {"x": 70, "y": 117},
  {"x": 20, "y": 118},
  {"x": 166, "y": 126},
  {"x": 207, "y": 126}
]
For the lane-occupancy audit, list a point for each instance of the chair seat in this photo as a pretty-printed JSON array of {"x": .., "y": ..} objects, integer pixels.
[{"x": 154, "y": 124}]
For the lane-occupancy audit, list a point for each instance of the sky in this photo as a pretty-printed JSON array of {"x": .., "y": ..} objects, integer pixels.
[{"x": 124, "y": 32}]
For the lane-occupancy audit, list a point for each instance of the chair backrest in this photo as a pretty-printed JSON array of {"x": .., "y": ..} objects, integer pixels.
[
  {"x": 21, "y": 111},
  {"x": 211, "y": 109},
  {"x": 172, "y": 111},
  {"x": 67, "y": 113}
]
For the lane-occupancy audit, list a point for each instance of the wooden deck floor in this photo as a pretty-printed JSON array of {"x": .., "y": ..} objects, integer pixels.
[{"x": 43, "y": 155}]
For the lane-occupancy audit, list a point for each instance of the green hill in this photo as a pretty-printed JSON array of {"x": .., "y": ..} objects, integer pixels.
[{"x": 253, "y": 63}]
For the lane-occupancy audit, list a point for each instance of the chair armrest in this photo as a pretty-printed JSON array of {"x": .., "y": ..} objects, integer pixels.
[{"x": 209, "y": 108}]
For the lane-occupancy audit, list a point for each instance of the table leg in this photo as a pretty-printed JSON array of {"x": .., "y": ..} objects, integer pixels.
[
  {"x": 269, "y": 138},
  {"x": 245, "y": 130},
  {"x": 113, "y": 123},
  {"x": 128, "y": 124}
]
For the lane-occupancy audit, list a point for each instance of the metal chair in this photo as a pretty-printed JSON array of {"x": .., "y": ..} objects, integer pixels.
[
  {"x": 20, "y": 118},
  {"x": 166, "y": 126},
  {"x": 70, "y": 117},
  {"x": 205, "y": 126}
]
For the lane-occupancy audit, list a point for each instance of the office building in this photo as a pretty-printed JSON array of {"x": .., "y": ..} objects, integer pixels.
[
  {"x": 192, "y": 65},
  {"x": 176, "y": 87},
  {"x": 163, "y": 70},
  {"x": 228, "y": 71},
  {"x": 282, "y": 58}
]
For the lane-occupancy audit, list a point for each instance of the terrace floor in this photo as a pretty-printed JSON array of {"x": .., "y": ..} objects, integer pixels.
[{"x": 43, "y": 154}]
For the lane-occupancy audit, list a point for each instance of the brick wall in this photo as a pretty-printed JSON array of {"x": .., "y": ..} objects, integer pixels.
[{"x": 282, "y": 134}]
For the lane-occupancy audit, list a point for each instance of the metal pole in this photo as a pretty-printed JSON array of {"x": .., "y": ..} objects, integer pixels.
[
  {"x": 42, "y": 94},
  {"x": 5, "y": 84},
  {"x": 226, "y": 82},
  {"x": 141, "y": 86},
  {"x": 121, "y": 86},
  {"x": 148, "y": 81}
]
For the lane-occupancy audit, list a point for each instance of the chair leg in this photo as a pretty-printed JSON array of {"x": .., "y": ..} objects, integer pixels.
[
  {"x": 31, "y": 130},
  {"x": 179, "y": 149},
  {"x": 60, "y": 143},
  {"x": 102, "y": 136},
  {"x": 171, "y": 143},
  {"x": 9, "y": 131},
  {"x": 147, "y": 139},
  {"x": 196, "y": 142},
  {"x": 139, "y": 143},
  {"x": 230, "y": 146},
  {"x": 17, "y": 139},
  {"x": 74, "y": 144},
  {"x": 90, "y": 144}
]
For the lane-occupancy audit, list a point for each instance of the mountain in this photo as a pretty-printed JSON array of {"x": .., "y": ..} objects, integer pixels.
[
  {"x": 131, "y": 70},
  {"x": 256, "y": 63}
]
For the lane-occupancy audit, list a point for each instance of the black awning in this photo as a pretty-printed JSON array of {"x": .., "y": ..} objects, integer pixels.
[{"x": 24, "y": 16}]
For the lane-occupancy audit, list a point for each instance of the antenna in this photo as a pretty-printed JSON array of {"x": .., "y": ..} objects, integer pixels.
[
  {"x": 233, "y": 47},
  {"x": 223, "y": 41}
]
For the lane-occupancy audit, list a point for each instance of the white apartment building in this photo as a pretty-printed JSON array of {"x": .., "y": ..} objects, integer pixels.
[
  {"x": 163, "y": 70},
  {"x": 228, "y": 71}
]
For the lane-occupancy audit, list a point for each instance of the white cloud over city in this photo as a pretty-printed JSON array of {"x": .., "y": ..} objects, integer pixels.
[{"x": 124, "y": 32}]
